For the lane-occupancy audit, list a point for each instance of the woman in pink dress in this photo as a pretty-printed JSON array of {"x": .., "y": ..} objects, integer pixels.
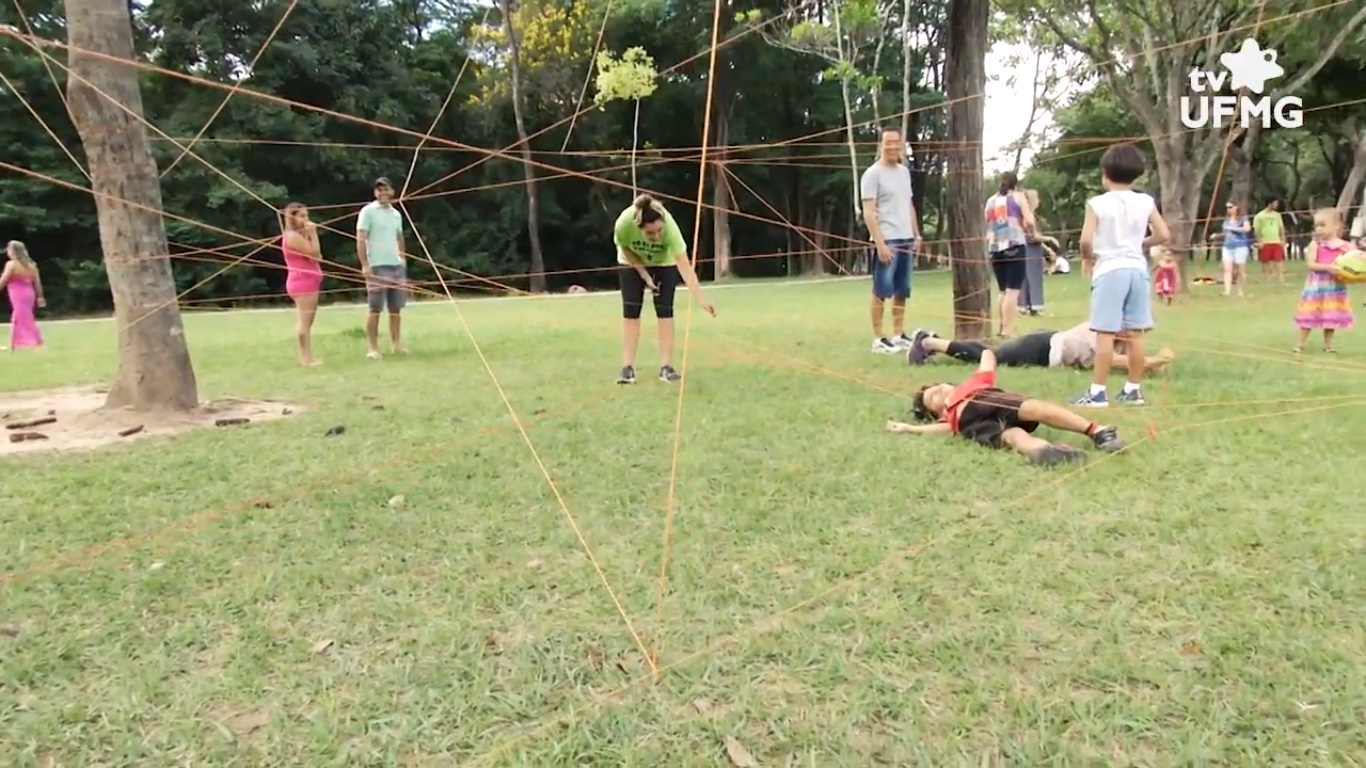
[
  {"x": 25, "y": 287},
  {"x": 303, "y": 260}
]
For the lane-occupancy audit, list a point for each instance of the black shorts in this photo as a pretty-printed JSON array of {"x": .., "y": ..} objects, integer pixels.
[
  {"x": 633, "y": 291},
  {"x": 1032, "y": 349},
  {"x": 1009, "y": 268},
  {"x": 989, "y": 413}
]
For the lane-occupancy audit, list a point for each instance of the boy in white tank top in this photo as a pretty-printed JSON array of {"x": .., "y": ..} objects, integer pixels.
[{"x": 1114, "y": 239}]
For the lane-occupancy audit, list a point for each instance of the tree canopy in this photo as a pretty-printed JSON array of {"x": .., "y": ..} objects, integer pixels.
[{"x": 612, "y": 97}]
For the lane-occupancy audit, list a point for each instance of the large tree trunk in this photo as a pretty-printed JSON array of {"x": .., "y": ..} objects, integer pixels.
[
  {"x": 967, "y": 79},
  {"x": 154, "y": 370},
  {"x": 533, "y": 192}
]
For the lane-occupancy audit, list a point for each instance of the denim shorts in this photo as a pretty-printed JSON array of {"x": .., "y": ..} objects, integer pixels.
[
  {"x": 387, "y": 288},
  {"x": 1122, "y": 301},
  {"x": 893, "y": 280}
]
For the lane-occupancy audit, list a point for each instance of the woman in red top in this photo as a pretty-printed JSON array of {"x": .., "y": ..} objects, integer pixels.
[{"x": 986, "y": 415}]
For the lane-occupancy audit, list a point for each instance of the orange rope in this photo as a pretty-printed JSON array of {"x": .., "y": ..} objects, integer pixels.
[{"x": 671, "y": 504}]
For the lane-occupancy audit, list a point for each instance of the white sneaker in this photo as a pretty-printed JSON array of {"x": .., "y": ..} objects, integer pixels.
[
  {"x": 373, "y": 355},
  {"x": 884, "y": 346},
  {"x": 903, "y": 342}
]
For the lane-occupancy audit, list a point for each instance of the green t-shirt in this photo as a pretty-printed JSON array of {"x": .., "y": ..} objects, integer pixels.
[
  {"x": 663, "y": 252},
  {"x": 1268, "y": 227},
  {"x": 383, "y": 226}
]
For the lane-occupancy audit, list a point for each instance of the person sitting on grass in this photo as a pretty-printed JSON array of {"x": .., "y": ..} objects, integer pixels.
[
  {"x": 988, "y": 416},
  {"x": 1072, "y": 348}
]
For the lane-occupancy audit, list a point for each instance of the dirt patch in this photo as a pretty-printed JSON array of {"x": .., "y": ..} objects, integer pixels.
[{"x": 74, "y": 419}]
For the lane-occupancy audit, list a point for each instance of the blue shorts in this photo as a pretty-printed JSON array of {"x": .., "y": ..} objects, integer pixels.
[
  {"x": 893, "y": 279},
  {"x": 1122, "y": 301}
]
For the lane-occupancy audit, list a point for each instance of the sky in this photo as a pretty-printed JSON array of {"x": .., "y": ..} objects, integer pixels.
[{"x": 1005, "y": 99}]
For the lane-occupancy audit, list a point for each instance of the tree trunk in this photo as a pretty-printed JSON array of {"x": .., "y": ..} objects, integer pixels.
[
  {"x": 721, "y": 192},
  {"x": 154, "y": 371},
  {"x": 967, "y": 79},
  {"x": 905, "y": 70},
  {"x": 720, "y": 220},
  {"x": 848, "y": 118},
  {"x": 533, "y": 192},
  {"x": 1180, "y": 185},
  {"x": 635, "y": 147},
  {"x": 1035, "y": 98},
  {"x": 1240, "y": 157},
  {"x": 1351, "y": 191}
]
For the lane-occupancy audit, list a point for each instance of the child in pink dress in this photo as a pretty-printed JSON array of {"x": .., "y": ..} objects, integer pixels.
[
  {"x": 25, "y": 287},
  {"x": 1323, "y": 303},
  {"x": 1167, "y": 278}
]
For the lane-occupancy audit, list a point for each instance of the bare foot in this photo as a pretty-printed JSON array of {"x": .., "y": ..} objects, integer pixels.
[
  {"x": 398, "y": 349},
  {"x": 310, "y": 362}
]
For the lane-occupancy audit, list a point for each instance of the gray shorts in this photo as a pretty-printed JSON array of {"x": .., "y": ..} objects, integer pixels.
[
  {"x": 1122, "y": 301},
  {"x": 387, "y": 288}
]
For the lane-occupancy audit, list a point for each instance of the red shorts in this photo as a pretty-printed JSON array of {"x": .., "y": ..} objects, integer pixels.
[{"x": 1271, "y": 252}]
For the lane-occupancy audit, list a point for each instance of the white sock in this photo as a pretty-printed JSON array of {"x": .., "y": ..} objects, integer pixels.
[
  {"x": 1130, "y": 387},
  {"x": 1097, "y": 389}
]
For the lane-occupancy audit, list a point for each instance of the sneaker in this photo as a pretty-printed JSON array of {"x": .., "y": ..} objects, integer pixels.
[
  {"x": 884, "y": 346},
  {"x": 1132, "y": 397},
  {"x": 1107, "y": 439},
  {"x": 373, "y": 355},
  {"x": 917, "y": 354},
  {"x": 902, "y": 341},
  {"x": 1091, "y": 400},
  {"x": 668, "y": 373},
  {"x": 1058, "y": 453},
  {"x": 627, "y": 376}
]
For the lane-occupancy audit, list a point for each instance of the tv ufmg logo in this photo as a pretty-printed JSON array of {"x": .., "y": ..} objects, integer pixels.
[{"x": 1249, "y": 67}]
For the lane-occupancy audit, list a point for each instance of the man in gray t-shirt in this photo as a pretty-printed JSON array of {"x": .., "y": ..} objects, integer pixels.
[{"x": 889, "y": 213}]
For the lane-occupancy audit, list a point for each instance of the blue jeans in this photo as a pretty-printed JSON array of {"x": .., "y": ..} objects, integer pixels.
[
  {"x": 893, "y": 279},
  {"x": 1122, "y": 301}
]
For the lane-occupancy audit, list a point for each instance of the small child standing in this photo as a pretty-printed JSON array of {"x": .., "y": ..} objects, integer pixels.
[
  {"x": 1168, "y": 278},
  {"x": 1323, "y": 303},
  {"x": 1114, "y": 239}
]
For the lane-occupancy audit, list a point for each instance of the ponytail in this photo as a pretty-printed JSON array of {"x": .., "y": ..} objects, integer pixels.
[
  {"x": 647, "y": 210},
  {"x": 1008, "y": 182}
]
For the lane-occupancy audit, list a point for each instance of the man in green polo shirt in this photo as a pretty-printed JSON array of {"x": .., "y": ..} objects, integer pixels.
[{"x": 1269, "y": 231}]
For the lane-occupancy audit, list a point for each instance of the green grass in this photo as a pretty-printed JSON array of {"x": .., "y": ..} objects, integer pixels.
[{"x": 837, "y": 596}]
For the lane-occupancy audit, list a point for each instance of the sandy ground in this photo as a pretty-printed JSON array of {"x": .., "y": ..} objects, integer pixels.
[{"x": 75, "y": 420}]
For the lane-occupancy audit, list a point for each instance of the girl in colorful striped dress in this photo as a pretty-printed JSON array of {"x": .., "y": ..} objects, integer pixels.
[{"x": 1324, "y": 304}]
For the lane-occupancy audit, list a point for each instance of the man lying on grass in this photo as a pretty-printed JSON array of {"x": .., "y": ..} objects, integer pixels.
[
  {"x": 1072, "y": 348},
  {"x": 986, "y": 415}
]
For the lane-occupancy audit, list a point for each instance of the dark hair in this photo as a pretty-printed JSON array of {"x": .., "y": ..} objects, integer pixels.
[
  {"x": 919, "y": 411},
  {"x": 1123, "y": 164},
  {"x": 1008, "y": 182},
  {"x": 1273, "y": 201},
  {"x": 648, "y": 211}
]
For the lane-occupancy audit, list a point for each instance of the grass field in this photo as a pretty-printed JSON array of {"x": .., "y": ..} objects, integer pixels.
[{"x": 837, "y": 596}]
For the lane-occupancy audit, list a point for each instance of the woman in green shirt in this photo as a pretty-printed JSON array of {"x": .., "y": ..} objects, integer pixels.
[{"x": 653, "y": 255}]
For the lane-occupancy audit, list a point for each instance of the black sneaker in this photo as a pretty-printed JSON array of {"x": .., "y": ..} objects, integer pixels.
[
  {"x": 1058, "y": 453},
  {"x": 1107, "y": 439},
  {"x": 628, "y": 375},
  {"x": 917, "y": 354},
  {"x": 667, "y": 373}
]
